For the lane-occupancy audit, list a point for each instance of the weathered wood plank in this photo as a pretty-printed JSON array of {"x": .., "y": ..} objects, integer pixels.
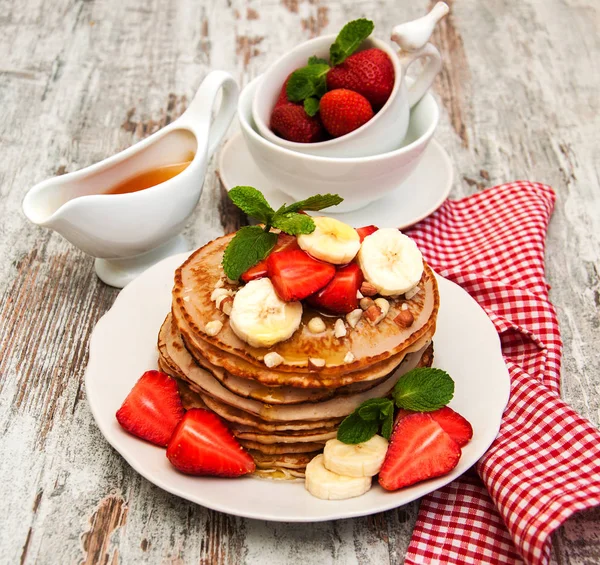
[{"x": 80, "y": 80}]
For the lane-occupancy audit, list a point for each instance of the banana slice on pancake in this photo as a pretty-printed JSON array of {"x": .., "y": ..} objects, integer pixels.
[
  {"x": 322, "y": 483},
  {"x": 390, "y": 261},
  {"x": 260, "y": 318},
  {"x": 332, "y": 241}
]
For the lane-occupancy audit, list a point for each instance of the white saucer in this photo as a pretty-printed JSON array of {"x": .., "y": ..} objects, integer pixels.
[{"x": 421, "y": 194}]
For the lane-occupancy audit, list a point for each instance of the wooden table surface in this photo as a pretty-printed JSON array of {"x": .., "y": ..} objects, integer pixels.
[{"x": 83, "y": 79}]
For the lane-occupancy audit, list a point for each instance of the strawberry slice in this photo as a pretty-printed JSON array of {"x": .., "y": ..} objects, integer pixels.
[
  {"x": 203, "y": 445},
  {"x": 339, "y": 296},
  {"x": 296, "y": 275},
  {"x": 455, "y": 425},
  {"x": 419, "y": 450},
  {"x": 152, "y": 409},
  {"x": 365, "y": 231},
  {"x": 259, "y": 271}
]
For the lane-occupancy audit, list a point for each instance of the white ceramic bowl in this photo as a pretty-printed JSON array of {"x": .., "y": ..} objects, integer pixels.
[
  {"x": 384, "y": 132},
  {"x": 359, "y": 180}
]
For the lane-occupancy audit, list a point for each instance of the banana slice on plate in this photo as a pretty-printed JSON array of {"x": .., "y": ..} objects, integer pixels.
[
  {"x": 260, "y": 318},
  {"x": 332, "y": 241},
  {"x": 390, "y": 261},
  {"x": 359, "y": 460},
  {"x": 324, "y": 484}
]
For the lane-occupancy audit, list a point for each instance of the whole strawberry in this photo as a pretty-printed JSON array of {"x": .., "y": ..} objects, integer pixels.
[
  {"x": 291, "y": 122},
  {"x": 368, "y": 72},
  {"x": 343, "y": 111}
]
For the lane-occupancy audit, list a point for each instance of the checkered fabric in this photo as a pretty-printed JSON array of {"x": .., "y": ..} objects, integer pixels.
[{"x": 545, "y": 463}]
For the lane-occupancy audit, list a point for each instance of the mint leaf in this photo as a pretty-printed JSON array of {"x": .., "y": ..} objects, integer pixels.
[
  {"x": 252, "y": 202},
  {"x": 314, "y": 60},
  {"x": 293, "y": 223},
  {"x": 250, "y": 245},
  {"x": 375, "y": 409},
  {"x": 314, "y": 203},
  {"x": 424, "y": 389},
  {"x": 388, "y": 425},
  {"x": 307, "y": 81},
  {"x": 354, "y": 429},
  {"x": 311, "y": 106},
  {"x": 348, "y": 40}
]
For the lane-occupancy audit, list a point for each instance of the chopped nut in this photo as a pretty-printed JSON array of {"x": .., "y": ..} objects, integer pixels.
[
  {"x": 374, "y": 314},
  {"x": 220, "y": 292},
  {"x": 404, "y": 306},
  {"x": 404, "y": 319},
  {"x": 368, "y": 289},
  {"x": 359, "y": 294},
  {"x": 272, "y": 359},
  {"x": 339, "y": 329},
  {"x": 384, "y": 305},
  {"x": 219, "y": 284},
  {"x": 225, "y": 304},
  {"x": 412, "y": 292},
  {"x": 354, "y": 317},
  {"x": 316, "y": 325},
  {"x": 366, "y": 303},
  {"x": 213, "y": 327},
  {"x": 315, "y": 363},
  {"x": 349, "y": 357}
]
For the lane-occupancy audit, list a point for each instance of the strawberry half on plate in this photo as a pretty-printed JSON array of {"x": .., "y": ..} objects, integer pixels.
[
  {"x": 152, "y": 409},
  {"x": 203, "y": 445}
]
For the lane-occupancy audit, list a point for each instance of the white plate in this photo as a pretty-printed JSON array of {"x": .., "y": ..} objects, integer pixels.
[
  {"x": 419, "y": 196},
  {"x": 123, "y": 346}
]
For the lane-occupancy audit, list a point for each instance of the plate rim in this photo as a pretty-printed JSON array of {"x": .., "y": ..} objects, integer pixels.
[
  {"x": 238, "y": 137},
  {"x": 142, "y": 470}
]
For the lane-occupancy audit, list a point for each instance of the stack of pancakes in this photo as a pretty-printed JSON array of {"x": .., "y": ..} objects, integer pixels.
[{"x": 284, "y": 414}]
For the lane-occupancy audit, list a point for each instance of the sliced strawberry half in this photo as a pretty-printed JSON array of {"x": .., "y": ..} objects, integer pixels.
[
  {"x": 152, "y": 409},
  {"x": 259, "y": 271},
  {"x": 203, "y": 445},
  {"x": 455, "y": 425},
  {"x": 296, "y": 275},
  {"x": 419, "y": 450},
  {"x": 339, "y": 296},
  {"x": 365, "y": 231}
]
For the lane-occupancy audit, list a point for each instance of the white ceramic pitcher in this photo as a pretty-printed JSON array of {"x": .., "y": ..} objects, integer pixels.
[{"x": 129, "y": 232}]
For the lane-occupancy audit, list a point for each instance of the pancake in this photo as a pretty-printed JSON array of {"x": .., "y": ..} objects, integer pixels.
[
  {"x": 192, "y": 307},
  {"x": 286, "y": 460},
  {"x": 282, "y": 438},
  {"x": 336, "y": 407},
  {"x": 276, "y": 449}
]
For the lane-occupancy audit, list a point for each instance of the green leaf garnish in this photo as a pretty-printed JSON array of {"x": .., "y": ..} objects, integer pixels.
[
  {"x": 252, "y": 202},
  {"x": 250, "y": 245},
  {"x": 354, "y": 429},
  {"x": 366, "y": 420},
  {"x": 307, "y": 81},
  {"x": 348, "y": 40},
  {"x": 424, "y": 389},
  {"x": 311, "y": 105},
  {"x": 315, "y": 203},
  {"x": 314, "y": 60}
]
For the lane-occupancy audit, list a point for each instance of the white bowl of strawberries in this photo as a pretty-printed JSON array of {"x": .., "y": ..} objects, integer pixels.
[{"x": 342, "y": 96}]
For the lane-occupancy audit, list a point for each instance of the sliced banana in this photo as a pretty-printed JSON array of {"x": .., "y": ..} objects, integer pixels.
[
  {"x": 332, "y": 241},
  {"x": 359, "y": 460},
  {"x": 390, "y": 261},
  {"x": 330, "y": 486},
  {"x": 260, "y": 318}
]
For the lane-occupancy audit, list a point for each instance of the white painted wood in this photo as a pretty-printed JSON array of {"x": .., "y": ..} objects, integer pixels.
[{"x": 80, "y": 80}]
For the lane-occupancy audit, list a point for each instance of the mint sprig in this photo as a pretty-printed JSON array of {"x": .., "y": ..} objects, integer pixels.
[
  {"x": 348, "y": 40},
  {"x": 252, "y": 244},
  {"x": 308, "y": 84},
  {"x": 423, "y": 389}
]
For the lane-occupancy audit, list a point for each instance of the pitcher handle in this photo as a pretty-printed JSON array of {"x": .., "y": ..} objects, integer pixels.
[
  {"x": 199, "y": 113},
  {"x": 432, "y": 66}
]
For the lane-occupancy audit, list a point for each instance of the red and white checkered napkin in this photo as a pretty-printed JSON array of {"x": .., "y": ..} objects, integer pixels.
[{"x": 545, "y": 463}]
